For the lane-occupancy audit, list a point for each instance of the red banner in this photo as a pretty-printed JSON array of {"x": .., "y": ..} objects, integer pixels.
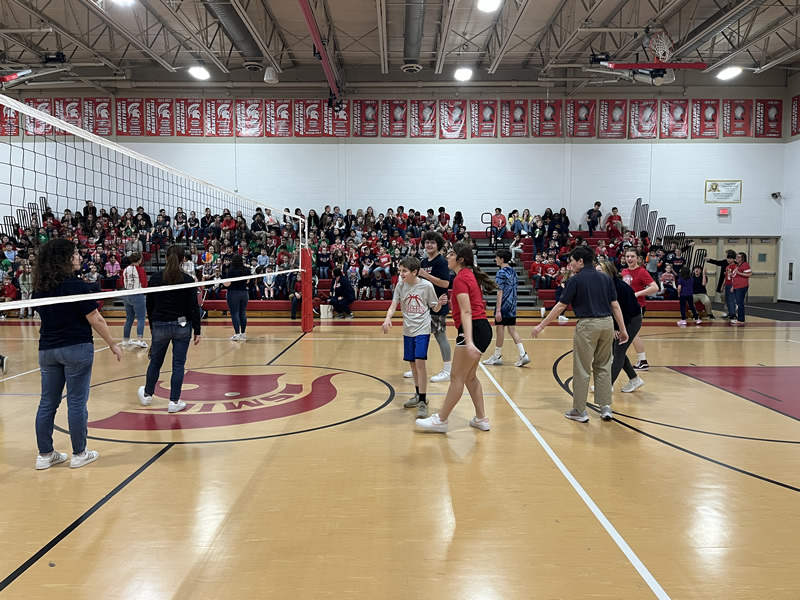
[
  {"x": 159, "y": 113},
  {"x": 613, "y": 117},
  {"x": 674, "y": 119},
  {"x": 769, "y": 117},
  {"x": 337, "y": 122},
  {"x": 35, "y": 126},
  {"x": 308, "y": 118},
  {"x": 97, "y": 115},
  {"x": 423, "y": 118},
  {"x": 9, "y": 121},
  {"x": 514, "y": 118},
  {"x": 580, "y": 117},
  {"x": 394, "y": 118},
  {"x": 452, "y": 119},
  {"x": 643, "y": 119},
  {"x": 705, "y": 119},
  {"x": 483, "y": 118},
  {"x": 737, "y": 118},
  {"x": 249, "y": 117},
  {"x": 69, "y": 110},
  {"x": 130, "y": 116},
  {"x": 365, "y": 118},
  {"x": 219, "y": 118},
  {"x": 795, "y": 125},
  {"x": 546, "y": 118},
  {"x": 278, "y": 118},
  {"x": 189, "y": 118}
]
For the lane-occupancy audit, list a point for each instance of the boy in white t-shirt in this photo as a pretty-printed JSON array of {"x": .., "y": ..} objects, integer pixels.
[{"x": 416, "y": 297}]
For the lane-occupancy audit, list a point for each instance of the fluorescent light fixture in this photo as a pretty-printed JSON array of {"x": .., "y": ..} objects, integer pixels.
[
  {"x": 463, "y": 74},
  {"x": 200, "y": 73},
  {"x": 729, "y": 73},
  {"x": 489, "y": 5},
  {"x": 123, "y": 2}
]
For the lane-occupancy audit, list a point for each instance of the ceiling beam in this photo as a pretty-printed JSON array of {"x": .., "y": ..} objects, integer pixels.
[
  {"x": 380, "y": 7},
  {"x": 543, "y": 33},
  {"x": 778, "y": 61},
  {"x": 256, "y": 36},
  {"x": 444, "y": 30},
  {"x": 335, "y": 83},
  {"x": 504, "y": 30},
  {"x": 186, "y": 24}
]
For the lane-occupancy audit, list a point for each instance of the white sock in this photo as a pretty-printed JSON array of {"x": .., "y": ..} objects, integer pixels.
[
  {"x": 641, "y": 356},
  {"x": 447, "y": 366},
  {"x": 498, "y": 351},
  {"x": 521, "y": 349}
]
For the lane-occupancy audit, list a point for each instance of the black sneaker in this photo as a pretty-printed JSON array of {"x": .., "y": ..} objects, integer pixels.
[
  {"x": 642, "y": 365},
  {"x": 3, "y": 363}
]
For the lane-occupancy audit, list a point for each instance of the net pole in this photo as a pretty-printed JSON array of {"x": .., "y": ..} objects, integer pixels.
[{"x": 307, "y": 290}]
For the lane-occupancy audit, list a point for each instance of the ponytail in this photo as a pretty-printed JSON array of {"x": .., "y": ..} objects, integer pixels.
[
  {"x": 464, "y": 252},
  {"x": 173, "y": 274}
]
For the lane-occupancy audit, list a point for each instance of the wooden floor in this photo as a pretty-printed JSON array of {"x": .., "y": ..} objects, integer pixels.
[{"x": 296, "y": 473}]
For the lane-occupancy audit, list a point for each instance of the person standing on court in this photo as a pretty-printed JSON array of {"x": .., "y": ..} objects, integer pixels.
[
  {"x": 173, "y": 315},
  {"x": 594, "y": 301},
  {"x": 66, "y": 351},
  {"x": 237, "y": 297},
  {"x": 134, "y": 278},
  {"x": 643, "y": 285}
]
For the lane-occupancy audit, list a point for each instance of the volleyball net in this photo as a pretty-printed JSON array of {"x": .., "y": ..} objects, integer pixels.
[{"x": 59, "y": 180}]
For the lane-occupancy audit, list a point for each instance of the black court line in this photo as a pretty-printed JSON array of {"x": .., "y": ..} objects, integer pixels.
[
  {"x": 596, "y": 408},
  {"x": 80, "y": 520},
  {"x": 767, "y": 395},
  {"x": 285, "y": 350}
]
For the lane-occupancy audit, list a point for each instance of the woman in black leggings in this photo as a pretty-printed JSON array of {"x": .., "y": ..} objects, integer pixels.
[{"x": 237, "y": 298}]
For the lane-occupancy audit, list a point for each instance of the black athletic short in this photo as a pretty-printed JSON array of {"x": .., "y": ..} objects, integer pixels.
[
  {"x": 507, "y": 321},
  {"x": 481, "y": 335}
]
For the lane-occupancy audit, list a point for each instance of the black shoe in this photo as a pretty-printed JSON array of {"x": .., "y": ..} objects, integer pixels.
[
  {"x": 712, "y": 317},
  {"x": 3, "y": 363}
]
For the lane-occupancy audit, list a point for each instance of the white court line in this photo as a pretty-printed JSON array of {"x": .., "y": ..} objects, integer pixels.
[
  {"x": 618, "y": 539},
  {"x": 34, "y": 370}
]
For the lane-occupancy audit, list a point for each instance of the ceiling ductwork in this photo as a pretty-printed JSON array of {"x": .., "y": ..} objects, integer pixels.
[
  {"x": 237, "y": 32},
  {"x": 412, "y": 46},
  {"x": 717, "y": 23}
]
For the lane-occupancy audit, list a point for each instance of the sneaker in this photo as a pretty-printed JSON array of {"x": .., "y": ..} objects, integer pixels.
[
  {"x": 422, "y": 410},
  {"x": 441, "y": 376},
  {"x": 3, "y": 364},
  {"x": 494, "y": 360},
  {"x": 698, "y": 321},
  {"x": 633, "y": 385},
  {"x": 125, "y": 343},
  {"x": 412, "y": 402},
  {"x": 523, "y": 360},
  {"x": 242, "y": 336},
  {"x": 54, "y": 459},
  {"x": 605, "y": 413},
  {"x": 139, "y": 343},
  {"x": 733, "y": 321},
  {"x": 408, "y": 374},
  {"x": 737, "y": 322},
  {"x": 80, "y": 461},
  {"x": 176, "y": 406},
  {"x": 144, "y": 398},
  {"x": 235, "y": 337},
  {"x": 711, "y": 316},
  {"x": 562, "y": 319},
  {"x": 642, "y": 365},
  {"x": 315, "y": 311},
  {"x": 681, "y": 323},
  {"x": 542, "y": 311},
  {"x": 432, "y": 423},
  {"x": 349, "y": 316},
  {"x": 725, "y": 316},
  {"x": 575, "y": 415},
  {"x": 482, "y": 424}
]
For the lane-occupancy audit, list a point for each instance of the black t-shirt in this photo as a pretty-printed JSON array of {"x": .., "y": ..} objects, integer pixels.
[
  {"x": 590, "y": 293},
  {"x": 628, "y": 302},
  {"x": 65, "y": 324},
  {"x": 238, "y": 285},
  {"x": 438, "y": 268},
  {"x": 171, "y": 305},
  {"x": 698, "y": 287}
]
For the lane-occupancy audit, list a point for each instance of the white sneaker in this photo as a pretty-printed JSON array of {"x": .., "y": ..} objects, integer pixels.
[
  {"x": 494, "y": 360},
  {"x": 633, "y": 385},
  {"x": 562, "y": 319},
  {"x": 235, "y": 337},
  {"x": 54, "y": 459},
  {"x": 523, "y": 360},
  {"x": 408, "y": 374},
  {"x": 144, "y": 398},
  {"x": 433, "y": 424},
  {"x": 542, "y": 311},
  {"x": 575, "y": 415},
  {"x": 482, "y": 424},
  {"x": 125, "y": 343},
  {"x": 77, "y": 462},
  {"x": 605, "y": 413},
  {"x": 176, "y": 406},
  {"x": 698, "y": 321},
  {"x": 441, "y": 376},
  {"x": 242, "y": 337},
  {"x": 681, "y": 323},
  {"x": 139, "y": 343}
]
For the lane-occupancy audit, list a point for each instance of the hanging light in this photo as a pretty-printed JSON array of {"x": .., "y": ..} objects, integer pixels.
[
  {"x": 489, "y": 5},
  {"x": 200, "y": 73},
  {"x": 463, "y": 74},
  {"x": 729, "y": 73}
]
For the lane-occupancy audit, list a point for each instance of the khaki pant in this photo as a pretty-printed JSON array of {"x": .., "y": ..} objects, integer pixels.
[
  {"x": 705, "y": 300},
  {"x": 593, "y": 352}
]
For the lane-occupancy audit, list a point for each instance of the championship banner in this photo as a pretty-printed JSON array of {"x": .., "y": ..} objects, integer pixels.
[
  {"x": 794, "y": 121},
  {"x": 35, "y": 126},
  {"x": 219, "y": 118},
  {"x": 97, "y": 115},
  {"x": 769, "y": 117},
  {"x": 249, "y": 118},
  {"x": 278, "y": 120},
  {"x": 308, "y": 118},
  {"x": 674, "y": 119},
  {"x": 723, "y": 191},
  {"x": 189, "y": 119},
  {"x": 452, "y": 119},
  {"x": 737, "y": 118},
  {"x": 546, "y": 118},
  {"x": 613, "y": 115},
  {"x": 9, "y": 121},
  {"x": 337, "y": 122},
  {"x": 394, "y": 118},
  {"x": 130, "y": 116},
  {"x": 365, "y": 118},
  {"x": 159, "y": 116},
  {"x": 483, "y": 118},
  {"x": 580, "y": 118},
  {"x": 513, "y": 118},
  {"x": 423, "y": 118},
  {"x": 643, "y": 120},
  {"x": 705, "y": 119},
  {"x": 69, "y": 110}
]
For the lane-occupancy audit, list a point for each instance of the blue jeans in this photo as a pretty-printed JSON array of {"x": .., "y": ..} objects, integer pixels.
[
  {"x": 498, "y": 232},
  {"x": 730, "y": 301},
  {"x": 738, "y": 296},
  {"x": 134, "y": 306},
  {"x": 70, "y": 365},
  {"x": 237, "y": 303},
  {"x": 163, "y": 334}
]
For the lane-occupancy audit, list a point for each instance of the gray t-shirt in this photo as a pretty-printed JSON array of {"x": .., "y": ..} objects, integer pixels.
[{"x": 416, "y": 302}]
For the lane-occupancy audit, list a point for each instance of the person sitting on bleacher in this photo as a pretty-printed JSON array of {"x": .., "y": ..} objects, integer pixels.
[
  {"x": 535, "y": 273},
  {"x": 551, "y": 270}
]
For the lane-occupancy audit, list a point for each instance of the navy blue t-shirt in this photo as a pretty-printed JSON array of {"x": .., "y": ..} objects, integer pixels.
[
  {"x": 65, "y": 324},
  {"x": 438, "y": 268},
  {"x": 590, "y": 293}
]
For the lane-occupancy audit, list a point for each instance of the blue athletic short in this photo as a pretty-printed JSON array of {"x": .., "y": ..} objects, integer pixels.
[{"x": 416, "y": 348}]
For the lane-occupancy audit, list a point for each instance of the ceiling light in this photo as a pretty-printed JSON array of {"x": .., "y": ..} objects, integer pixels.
[
  {"x": 270, "y": 75},
  {"x": 123, "y": 2},
  {"x": 200, "y": 73},
  {"x": 729, "y": 73},
  {"x": 489, "y": 5},
  {"x": 463, "y": 74}
]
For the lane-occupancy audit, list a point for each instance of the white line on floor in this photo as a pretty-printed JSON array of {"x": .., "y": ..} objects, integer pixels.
[
  {"x": 618, "y": 539},
  {"x": 34, "y": 370}
]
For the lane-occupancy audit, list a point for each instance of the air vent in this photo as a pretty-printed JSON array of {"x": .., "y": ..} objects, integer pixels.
[
  {"x": 254, "y": 67},
  {"x": 411, "y": 68}
]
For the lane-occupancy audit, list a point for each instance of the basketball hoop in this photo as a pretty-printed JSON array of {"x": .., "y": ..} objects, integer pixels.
[{"x": 661, "y": 45}]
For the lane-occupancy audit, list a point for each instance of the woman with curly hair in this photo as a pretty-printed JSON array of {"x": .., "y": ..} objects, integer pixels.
[{"x": 66, "y": 351}]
